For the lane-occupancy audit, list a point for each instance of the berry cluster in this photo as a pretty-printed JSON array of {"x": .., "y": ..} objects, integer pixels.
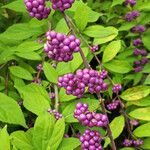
[
  {"x": 141, "y": 52},
  {"x": 138, "y": 29},
  {"x": 91, "y": 140},
  {"x": 132, "y": 15},
  {"x": 134, "y": 122},
  {"x": 130, "y": 2},
  {"x": 135, "y": 143},
  {"x": 39, "y": 67},
  {"x": 137, "y": 42},
  {"x": 94, "y": 48},
  {"x": 88, "y": 118},
  {"x": 56, "y": 114},
  {"x": 113, "y": 105},
  {"x": 116, "y": 88},
  {"x": 52, "y": 95},
  {"x": 61, "y": 4},
  {"x": 75, "y": 83},
  {"x": 61, "y": 47},
  {"x": 37, "y": 9}
]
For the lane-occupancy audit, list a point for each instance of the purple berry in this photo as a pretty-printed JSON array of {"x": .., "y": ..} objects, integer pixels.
[
  {"x": 37, "y": 9},
  {"x": 130, "y": 2},
  {"x": 116, "y": 88},
  {"x": 138, "y": 69},
  {"x": 56, "y": 114},
  {"x": 94, "y": 48},
  {"x": 62, "y": 5},
  {"x": 113, "y": 105},
  {"x": 91, "y": 140},
  {"x": 138, "y": 29},
  {"x": 88, "y": 118},
  {"x": 134, "y": 122},
  {"x": 132, "y": 15},
  {"x": 137, "y": 42},
  {"x": 39, "y": 67},
  {"x": 59, "y": 47},
  {"x": 127, "y": 142}
]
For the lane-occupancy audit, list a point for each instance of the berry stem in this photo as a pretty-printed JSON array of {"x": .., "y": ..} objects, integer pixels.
[
  {"x": 108, "y": 127},
  {"x": 56, "y": 97},
  {"x": 81, "y": 36},
  {"x": 70, "y": 24}
]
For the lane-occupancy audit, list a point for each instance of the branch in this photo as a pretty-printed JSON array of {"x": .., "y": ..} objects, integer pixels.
[
  {"x": 70, "y": 24},
  {"x": 56, "y": 97}
]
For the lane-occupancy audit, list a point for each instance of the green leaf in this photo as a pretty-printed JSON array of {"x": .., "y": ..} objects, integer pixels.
[
  {"x": 63, "y": 97},
  {"x": 142, "y": 131},
  {"x": 117, "y": 2},
  {"x": 4, "y": 139},
  {"x": 61, "y": 24},
  {"x": 43, "y": 130},
  {"x": 127, "y": 148},
  {"x": 118, "y": 66},
  {"x": 147, "y": 81},
  {"x": 141, "y": 113},
  {"x": 57, "y": 135},
  {"x": 116, "y": 127},
  {"x": 20, "y": 140},
  {"x": 69, "y": 144},
  {"x": 92, "y": 15},
  {"x": 29, "y": 56},
  {"x": 10, "y": 112},
  {"x": 135, "y": 93},
  {"x": 18, "y": 32},
  {"x": 142, "y": 102},
  {"x": 146, "y": 38},
  {"x": 35, "y": 102},
  {"x": 28, "y": 46},
  {"x": 50, "y": 73},
  {"x": 146, "y": 144},
  {"x": 127, "y": 26},
  {"x": 20, "y": 72},
  {"x": 17, "y": 6},
  {"x": 69, "y": 109},
  {"x": 81, "y": 17},
  {"x": 111, "y": 50}
]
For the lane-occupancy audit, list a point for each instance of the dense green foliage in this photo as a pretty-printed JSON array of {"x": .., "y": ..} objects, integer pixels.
[{"x": 25, "y": 123}]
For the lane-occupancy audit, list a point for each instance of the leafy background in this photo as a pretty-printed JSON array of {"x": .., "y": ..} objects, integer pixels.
[{"x": 28, "y": 126}]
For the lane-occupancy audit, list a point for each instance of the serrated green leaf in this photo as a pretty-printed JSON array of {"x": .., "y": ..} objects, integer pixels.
[
  {"x": 111, "y": 50},
  {"x": 20, "y": 72},
  {"x": 118, "y": 66},
  {"x": 28, "y": 46},
  {"x": 142, "y": 130},
  {"x": 35, "y": 102},
  {"x": 69, "y": 144},
  {"x": 29, "y": 56},
  {"x": 117, "y": 2},
  {"x": 17, "y": 6},
  {"x": 10, "y": 112},
  {"x": 116, "y": 127},
  {"x": 57, "y": 135},
  {"x": 141, "y": 113},
  {"x": 135, "y": 93},
  {"x": 43, "y": 130},
  {"x": 146, "y": 144},
  {"x": 81, "y": 17},
  {"x": 4, "y": 139},
  {"x": 20, "y": 140},
  {"x": 50, "y": 73}
]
